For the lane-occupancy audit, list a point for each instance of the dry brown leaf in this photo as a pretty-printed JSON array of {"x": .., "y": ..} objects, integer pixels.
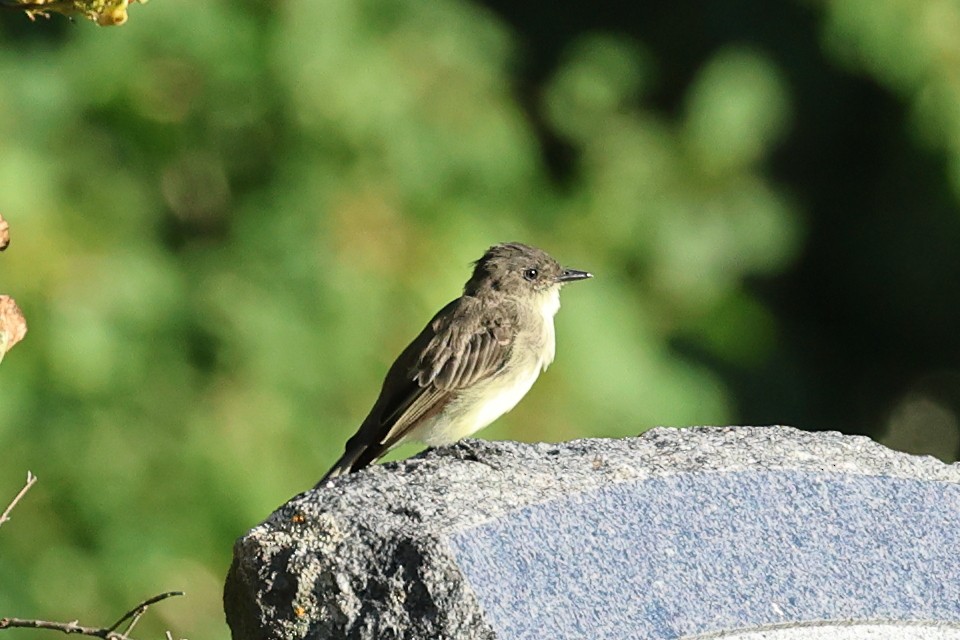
[
  {"x": 4, "y": 233},
  {"x": 13, "y": 326}
]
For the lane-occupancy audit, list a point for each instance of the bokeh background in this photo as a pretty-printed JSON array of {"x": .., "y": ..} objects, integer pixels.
[{"x": 229, "y": 216}]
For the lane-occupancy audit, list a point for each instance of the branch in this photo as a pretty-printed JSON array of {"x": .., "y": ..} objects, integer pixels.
[
  {"x": 135, "y": 613},
  {"x": 31, "y": 480},
  {"x": 66, "y": 627},
  {"x": 107, "y": 633}
]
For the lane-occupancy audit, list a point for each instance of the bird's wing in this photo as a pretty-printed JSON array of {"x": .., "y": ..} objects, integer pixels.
[
  {"x": 458, "y": 348},
  {"x": 466, "y": 347}
]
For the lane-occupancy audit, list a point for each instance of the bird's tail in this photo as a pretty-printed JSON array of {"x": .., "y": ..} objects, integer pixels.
[
  {"x": 354, "y": 459},
  {"x": 341, "y": 467}
]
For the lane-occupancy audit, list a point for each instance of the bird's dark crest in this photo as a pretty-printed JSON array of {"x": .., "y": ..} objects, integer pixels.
[{"x": 508, "y": 258}]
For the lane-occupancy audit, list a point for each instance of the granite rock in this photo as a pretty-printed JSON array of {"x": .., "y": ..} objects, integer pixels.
[{"x": 699, "y": 532}]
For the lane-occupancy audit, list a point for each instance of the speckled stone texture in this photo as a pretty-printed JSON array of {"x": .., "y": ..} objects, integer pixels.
[{"x": 717, "y": 532}]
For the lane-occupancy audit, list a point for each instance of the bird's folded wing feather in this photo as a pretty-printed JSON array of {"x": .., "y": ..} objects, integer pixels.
[{"x": 461, "y": 348}]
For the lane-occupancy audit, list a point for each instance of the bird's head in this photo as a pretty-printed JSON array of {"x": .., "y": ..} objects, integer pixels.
[{"x": 519, "y": 270}]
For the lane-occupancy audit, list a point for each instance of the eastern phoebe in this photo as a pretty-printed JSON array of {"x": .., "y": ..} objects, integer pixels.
[{"x": 473, "y": 361}]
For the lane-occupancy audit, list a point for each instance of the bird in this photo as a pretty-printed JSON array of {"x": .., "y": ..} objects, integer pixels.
[{"x": 473, "y": 362}]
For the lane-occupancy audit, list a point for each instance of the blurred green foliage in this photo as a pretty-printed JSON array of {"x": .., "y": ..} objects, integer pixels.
[{"x": 229, "y": 217}]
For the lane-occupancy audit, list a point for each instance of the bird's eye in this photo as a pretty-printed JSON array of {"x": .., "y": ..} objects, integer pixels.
[{"x": 531, "y": 274}]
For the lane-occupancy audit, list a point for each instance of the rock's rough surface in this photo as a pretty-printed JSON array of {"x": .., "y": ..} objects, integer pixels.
[{"x": 736, "y": 532}]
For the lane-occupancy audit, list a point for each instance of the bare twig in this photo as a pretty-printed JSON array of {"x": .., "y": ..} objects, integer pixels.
[
  {"x": 140, "y": 609},
  {"x": 107, "y": 633},
  {"x": 133, "y": 622},
  {"x": 31, "y": 480}
]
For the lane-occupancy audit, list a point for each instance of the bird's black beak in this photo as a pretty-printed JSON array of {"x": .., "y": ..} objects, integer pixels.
[{"x": 569, "y": 275}]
